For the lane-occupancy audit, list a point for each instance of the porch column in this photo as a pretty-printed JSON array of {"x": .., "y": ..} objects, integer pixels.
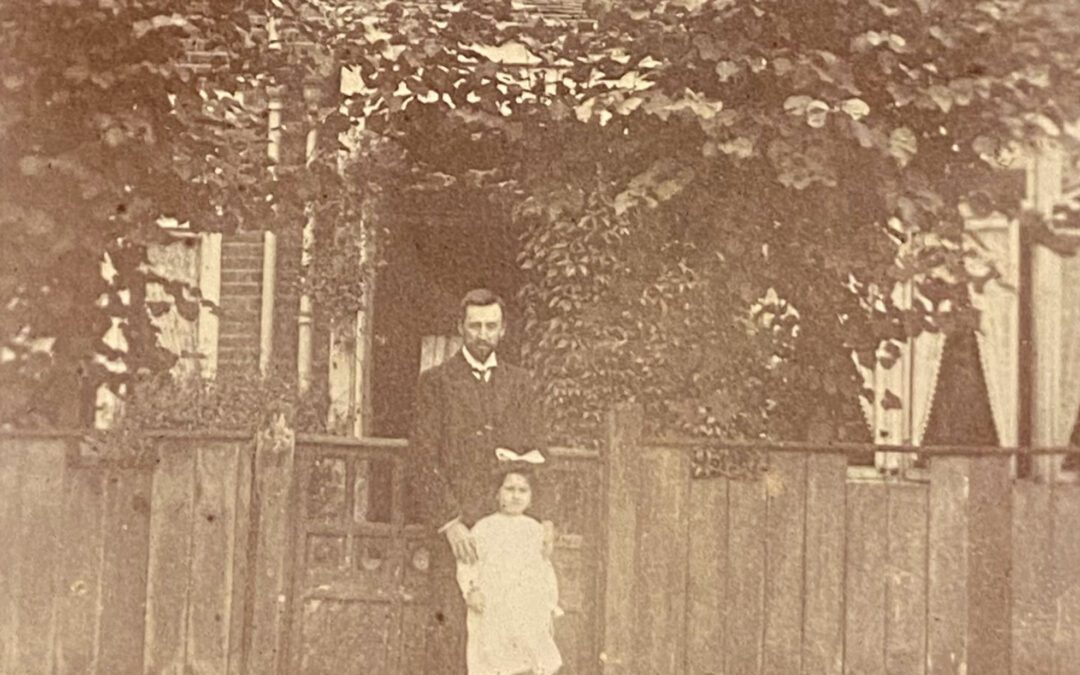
[{"x": 351, "y": 357}]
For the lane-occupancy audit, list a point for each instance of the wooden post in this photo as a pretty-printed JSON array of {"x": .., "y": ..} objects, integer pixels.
[
  {"x": 273, "y": 550},
  {"x": 622, "y": 480}
]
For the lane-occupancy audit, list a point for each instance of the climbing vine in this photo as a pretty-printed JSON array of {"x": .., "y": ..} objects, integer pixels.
[{"x": 718, "y": 196}]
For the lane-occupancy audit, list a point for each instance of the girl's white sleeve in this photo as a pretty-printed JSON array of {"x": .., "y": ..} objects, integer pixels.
[{"x": 467, "y": 576}]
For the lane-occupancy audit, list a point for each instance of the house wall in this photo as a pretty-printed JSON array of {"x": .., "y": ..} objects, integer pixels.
[{"x": 241, "y": 298}]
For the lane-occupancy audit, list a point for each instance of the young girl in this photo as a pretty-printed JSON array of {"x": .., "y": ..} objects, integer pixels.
[{"x": 510, "y": 591}]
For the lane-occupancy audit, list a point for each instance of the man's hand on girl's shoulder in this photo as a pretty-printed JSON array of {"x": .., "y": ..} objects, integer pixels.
[{"x": 462, "y": 543}]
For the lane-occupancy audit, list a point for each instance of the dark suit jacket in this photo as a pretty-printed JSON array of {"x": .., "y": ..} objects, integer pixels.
[{"x": 460, "y": 421}]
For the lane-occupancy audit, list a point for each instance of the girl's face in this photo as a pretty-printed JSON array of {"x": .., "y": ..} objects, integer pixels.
[{"x": 515, "y": 494}]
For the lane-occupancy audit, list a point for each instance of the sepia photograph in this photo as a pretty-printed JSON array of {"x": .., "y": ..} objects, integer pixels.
[{"x": 540, "y": 337}]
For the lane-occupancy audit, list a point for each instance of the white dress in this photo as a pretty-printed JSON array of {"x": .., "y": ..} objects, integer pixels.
[{"x": 514, "y": 632}]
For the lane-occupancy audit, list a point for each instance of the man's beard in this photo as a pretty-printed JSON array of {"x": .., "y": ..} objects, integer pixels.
[{"x": 481, "y": 350}]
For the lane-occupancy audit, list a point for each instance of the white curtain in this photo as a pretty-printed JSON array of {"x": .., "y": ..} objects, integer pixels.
[
  {"x": 1056, "y": 318},
  {"x": 913, "y": 380},
  {"x": 996, "y": 241}
]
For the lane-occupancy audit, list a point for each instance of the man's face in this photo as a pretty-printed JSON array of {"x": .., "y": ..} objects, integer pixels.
[{"x": 482, "y": 328}]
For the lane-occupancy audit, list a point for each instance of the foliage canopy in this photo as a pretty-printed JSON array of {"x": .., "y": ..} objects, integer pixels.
[
  {"x": 720, "y": 197},
  {"x": 717, "y": 197}
]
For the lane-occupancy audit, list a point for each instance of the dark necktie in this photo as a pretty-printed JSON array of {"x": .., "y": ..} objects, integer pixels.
[{"x": 482, "y": 374}]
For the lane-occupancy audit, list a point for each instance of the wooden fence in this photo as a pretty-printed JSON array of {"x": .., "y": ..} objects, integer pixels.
[
  {"x": 221, "y": 554},
  {"x": 808, "y": 571},
  {"x": 123, "y": 564}
]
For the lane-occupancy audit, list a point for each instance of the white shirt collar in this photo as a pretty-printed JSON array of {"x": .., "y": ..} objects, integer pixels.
[{"x": 475, "y": 364}]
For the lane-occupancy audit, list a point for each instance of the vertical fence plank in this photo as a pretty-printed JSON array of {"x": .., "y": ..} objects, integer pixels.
[
  {"x": 823, "y": 632},
  {"x": 592, "y": 524},
  {"x": 10, "y": 453},
  {"x": 905, "y": 611},
  {"x": 240, "y": 572},
  {"x": 1032, "y": 563},
  {"x": 661, "y": 560},
  {"x": 212, "y": 550},
  {"x": 40, "y": 551},
  {"x": 275, "y": 454},
  {"x": 867, "y": 546},
  {"x": 80, "y": 583},
  {"x": 168, "y": 574},
  {"x": 785, "y": 531},
  {"x": 126, "y": 528},
  {"x": 620, "y": 541},
  {"x": 989, "y": 568},
  {"x": 948, "y": 567},
  {"x": 1066, "y": 507},
  {"x": 707, "y": 574},
  {"x": 746, "y": 577}
]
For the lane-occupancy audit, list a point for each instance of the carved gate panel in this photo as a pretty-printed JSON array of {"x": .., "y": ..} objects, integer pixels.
[
  {"x": 361, "y": 572},
  {"x": 360, "y": 595}
]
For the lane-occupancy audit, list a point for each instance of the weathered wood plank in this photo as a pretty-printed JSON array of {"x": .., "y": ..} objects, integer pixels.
[
  {"x": 40, "y": 487},
  {"x": 948, "y": 567},
  {"x": 123, "y": 577},
  {"x": 1066, "y": 507},
  {"x": 864, "y": 593},
  {"x": 79, "y": 590},
  {"x": 1032, "y": 570},
  {"x": 620, "y": 542},
  {"x": 240, "y": 566},
  {"x": 746, "y": 577},
  {"x": 989, "y": 567},
  {"x": 413, "y": 621},
  {"x": 785, "y": 486},
  {"x": 10, "y": 507},
  {"x": 570, "y": 630},
  {"x": 274, "y": 550},
  {"x": 168, "y": 575},
  {"x": 905, "y": 609},
  {"x": 662, "y": 557},
  {"x": 590, "y": 516},
  {"x": 823, "y": 627},
  {"x": 707, "y": 571},
  {"x": 212, "y": 550}
]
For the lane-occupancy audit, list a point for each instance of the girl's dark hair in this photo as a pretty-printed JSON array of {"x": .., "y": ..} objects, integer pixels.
[{"x": 523, "y": 469}]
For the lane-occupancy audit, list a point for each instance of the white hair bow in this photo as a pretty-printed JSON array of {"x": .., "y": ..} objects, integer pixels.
[{"x": 530, "y": 457}]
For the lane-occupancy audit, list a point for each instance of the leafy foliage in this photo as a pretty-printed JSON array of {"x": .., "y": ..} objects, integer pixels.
[
  {"x": 238, "y": 400},
  {"x": 116, "y": 114},
  {"x": 720, "y": 197}
]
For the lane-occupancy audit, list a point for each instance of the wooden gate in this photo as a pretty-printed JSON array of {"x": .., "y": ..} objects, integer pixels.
[{"x": 360, "y": 590}]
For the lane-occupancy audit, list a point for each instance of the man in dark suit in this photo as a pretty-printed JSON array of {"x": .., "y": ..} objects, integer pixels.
[{"x": 467, "y": 407}]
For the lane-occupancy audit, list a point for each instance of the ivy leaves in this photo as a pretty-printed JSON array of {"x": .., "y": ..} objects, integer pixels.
[
  {"x": 679, "y": 162},
  {"x": 114, "y": 115}
]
